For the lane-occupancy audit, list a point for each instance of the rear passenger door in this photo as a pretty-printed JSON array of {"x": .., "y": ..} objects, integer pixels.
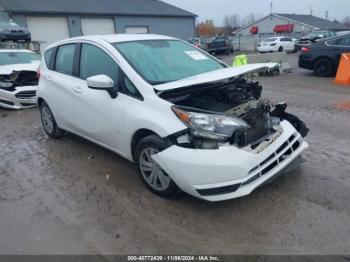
[{"x": 59, "y": 80}]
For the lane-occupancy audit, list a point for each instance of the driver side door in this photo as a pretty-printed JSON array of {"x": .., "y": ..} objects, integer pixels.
[{"x": 97, "y": 115}]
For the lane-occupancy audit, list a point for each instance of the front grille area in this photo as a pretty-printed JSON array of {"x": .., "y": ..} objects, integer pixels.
[
  {"x": 6, "y": 102},
  {"x": 26, "y": 94},
  {"x": 291, "y": 145}
]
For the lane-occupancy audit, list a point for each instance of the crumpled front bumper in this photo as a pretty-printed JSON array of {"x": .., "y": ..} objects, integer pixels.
[
  {"x": 230, "y": 172},
  {"x": 22, "y": 97}
]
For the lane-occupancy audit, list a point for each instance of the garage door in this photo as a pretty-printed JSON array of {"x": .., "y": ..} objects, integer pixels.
[
  {"x": 48, "y": 29},
  {"x": 136, "y": 30},
  {"x": 97, "y": 26}
]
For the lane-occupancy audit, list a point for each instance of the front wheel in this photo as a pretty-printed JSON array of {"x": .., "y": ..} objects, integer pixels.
[
  {"x": 156, "y": 179},
  {"x": 49, "y": 123},
  {"x": 280, "y": 49}
]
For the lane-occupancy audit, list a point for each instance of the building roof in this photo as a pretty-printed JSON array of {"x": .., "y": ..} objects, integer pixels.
[
  {"x": 94, "y": 7},
  {"x": 313, "y": 21}
]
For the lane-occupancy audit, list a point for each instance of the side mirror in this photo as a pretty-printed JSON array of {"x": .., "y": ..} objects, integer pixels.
[{"x": 102, "y": 82}]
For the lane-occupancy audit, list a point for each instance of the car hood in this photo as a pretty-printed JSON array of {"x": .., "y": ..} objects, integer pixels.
[
  {"x": 216, "y": 75},
  {"x": 8, "y": 69}
]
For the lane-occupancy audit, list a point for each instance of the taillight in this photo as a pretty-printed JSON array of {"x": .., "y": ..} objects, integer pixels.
[
  {"x": 305, "y": 49},
  {"x": 38, "y": 73}
]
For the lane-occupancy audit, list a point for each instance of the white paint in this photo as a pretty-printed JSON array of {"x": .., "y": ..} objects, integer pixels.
[
  {"x": 136, "y": 30},
  {"x": 97, "y": 26},
  {"x": 48, "y": 29}
]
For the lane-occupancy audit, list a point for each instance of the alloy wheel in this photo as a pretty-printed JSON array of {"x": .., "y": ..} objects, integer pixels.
[
  {"x": 152, "y": 173},
  {"x": 47, "y": 119}
]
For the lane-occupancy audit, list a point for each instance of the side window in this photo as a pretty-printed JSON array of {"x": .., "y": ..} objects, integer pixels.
[
  {"x": 65, "y": 59},
  {"x": 129, "y": 89},
  {"x": 48, "y": 57},
  {"x": 94, "y": 61},
  {"x": 344, "y": 41}
]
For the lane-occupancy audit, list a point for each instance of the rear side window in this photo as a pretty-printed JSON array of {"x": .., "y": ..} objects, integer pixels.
[
  {"x": 48, "y": 58},
  {"x": 94, "y": 61},
  {"x": 65, "y": 59}
]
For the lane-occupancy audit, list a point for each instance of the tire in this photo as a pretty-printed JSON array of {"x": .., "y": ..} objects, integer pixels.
[
  {"x": 323, "y": 67},
  {"x": 153, "y": 176},
  {"x": 280, "y": 49},
  {"x": 49, "y": 123}
]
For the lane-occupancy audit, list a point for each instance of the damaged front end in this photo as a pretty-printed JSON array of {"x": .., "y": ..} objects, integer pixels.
[
  {"x": 229, "y": 112},
  {"x": 18, "y": 89},
  {"x": 9, "y": 82}
]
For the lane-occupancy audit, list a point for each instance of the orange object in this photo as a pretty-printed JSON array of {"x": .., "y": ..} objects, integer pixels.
[{"x": 343, "y": 74}]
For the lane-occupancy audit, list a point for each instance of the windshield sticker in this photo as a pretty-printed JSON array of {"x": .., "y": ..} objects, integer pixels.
[{"x": 196, "y": 55}]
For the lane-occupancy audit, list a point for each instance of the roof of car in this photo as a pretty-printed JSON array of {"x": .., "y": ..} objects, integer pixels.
[{"x": 115, "y": 38}]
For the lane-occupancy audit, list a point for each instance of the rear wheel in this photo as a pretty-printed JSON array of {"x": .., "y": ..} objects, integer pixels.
[
  {"x": 323, "y": 67},
  {"x": 49, "y": 123},
  {"x": 156, "y": 179}
]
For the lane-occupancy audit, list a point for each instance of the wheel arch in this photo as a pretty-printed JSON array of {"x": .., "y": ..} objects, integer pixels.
[{"x": 138, "y": 136}]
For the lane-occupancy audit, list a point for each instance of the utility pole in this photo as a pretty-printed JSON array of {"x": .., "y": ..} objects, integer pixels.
[
  {"x": 271, "y": 7},
  {"x": 327, "y": 14},
  {"x": 311, "y": 11}
]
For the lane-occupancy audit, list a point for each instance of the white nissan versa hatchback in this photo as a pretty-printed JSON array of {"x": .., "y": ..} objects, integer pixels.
[{"x": 190, "y": 122}]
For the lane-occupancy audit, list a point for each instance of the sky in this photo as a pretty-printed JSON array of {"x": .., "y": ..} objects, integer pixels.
[{"x": 217, "y": 9}]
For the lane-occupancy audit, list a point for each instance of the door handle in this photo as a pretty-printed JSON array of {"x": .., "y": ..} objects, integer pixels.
[
  {"x": 78, "y": 90},
  {"x": 49, "y": 78}
]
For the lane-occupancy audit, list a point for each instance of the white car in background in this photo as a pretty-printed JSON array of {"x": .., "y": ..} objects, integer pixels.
[
  {"x": 187, "y": 120},
  {"x": 18, "y": 78},
  {"x": 276, "y": 44}
]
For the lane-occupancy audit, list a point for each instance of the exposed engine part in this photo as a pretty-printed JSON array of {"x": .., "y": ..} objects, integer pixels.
[
  {"x": 18, "y": 78},
  {"x": 280, "y": 112},
  {"x": 221, "y": 98}
]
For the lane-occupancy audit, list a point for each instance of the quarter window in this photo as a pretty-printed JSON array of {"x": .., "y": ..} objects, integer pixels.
[
  {"x": 65, "y": 59},
  {"x": 94, "y": 61}
]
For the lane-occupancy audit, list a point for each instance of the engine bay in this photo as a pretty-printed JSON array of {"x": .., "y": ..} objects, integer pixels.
[{"x": 236, "y": 98}]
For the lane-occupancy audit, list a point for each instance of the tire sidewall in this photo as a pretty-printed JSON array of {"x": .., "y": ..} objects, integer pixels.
[
  {"x": 56, "y": 131},
  {"x": 326, "y": 73},
  {"x": 155, "y": 142}
]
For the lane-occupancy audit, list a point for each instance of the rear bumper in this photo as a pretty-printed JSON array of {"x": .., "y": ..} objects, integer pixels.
[
  {"x": 230, "y": 172},
  {"x": 305, "y": 62},
  {"x": 17, "y": 99}
]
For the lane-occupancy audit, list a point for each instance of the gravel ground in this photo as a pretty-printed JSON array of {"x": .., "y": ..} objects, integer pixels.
[{"x": 70, "y": 196}]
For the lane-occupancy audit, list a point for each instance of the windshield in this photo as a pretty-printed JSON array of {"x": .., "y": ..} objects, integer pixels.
[
  {"x": 162, "y": 61},
  {"x": 10, "y": 58},
  {"x": 270, "y": 40}
]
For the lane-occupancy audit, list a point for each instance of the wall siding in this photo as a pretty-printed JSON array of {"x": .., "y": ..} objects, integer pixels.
[
  {"x": 267, "y": 25},
  {"x": 180, "y": 27}
]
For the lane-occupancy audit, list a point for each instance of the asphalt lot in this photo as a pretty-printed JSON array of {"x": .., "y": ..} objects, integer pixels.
[{"x": 70, "y": 196}]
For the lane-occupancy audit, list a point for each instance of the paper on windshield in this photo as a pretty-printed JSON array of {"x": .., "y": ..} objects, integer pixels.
[{"x": 196, "y": 55}]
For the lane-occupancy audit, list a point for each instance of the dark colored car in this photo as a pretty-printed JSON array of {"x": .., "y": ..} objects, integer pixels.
[
  {"x": 220, "y": 45},
  {"x": 10, "y": 31},
  {"x": 323, "y": 57}
]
